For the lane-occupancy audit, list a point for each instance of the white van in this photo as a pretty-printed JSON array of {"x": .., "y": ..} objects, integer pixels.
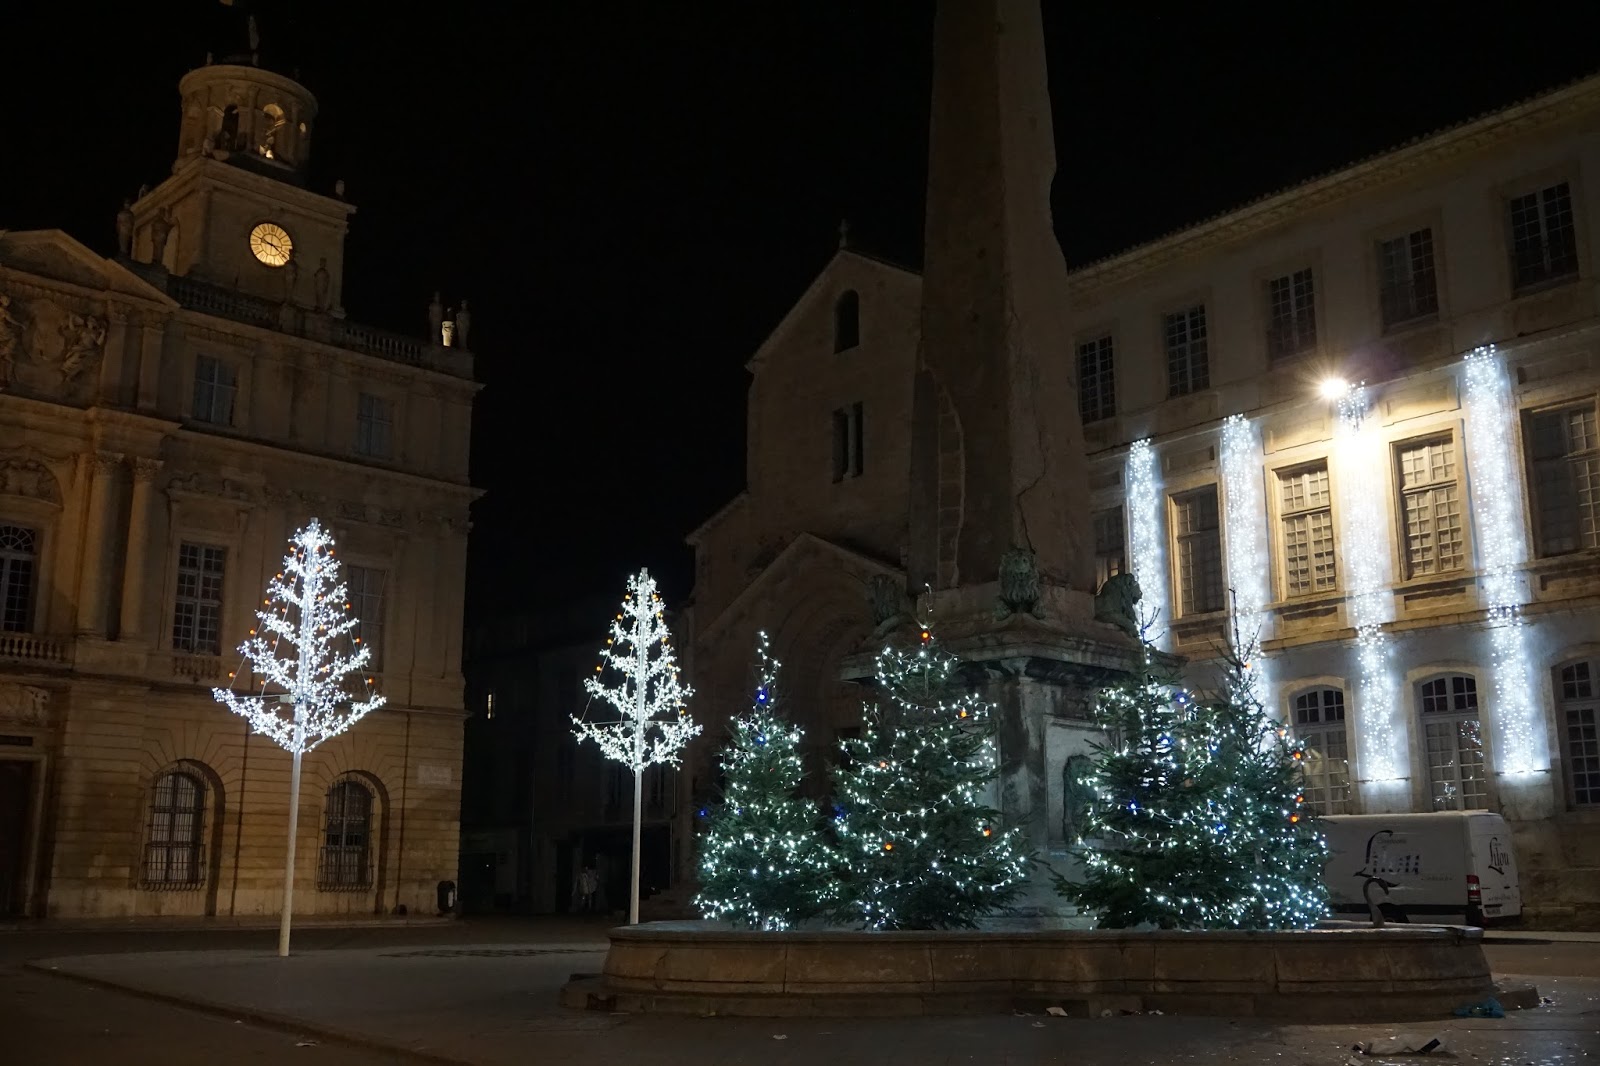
[{"x": 1449, "y": 867}]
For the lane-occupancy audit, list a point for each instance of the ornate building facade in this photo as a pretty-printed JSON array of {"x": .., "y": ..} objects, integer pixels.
[
  {"x": 1359, "y": 412},
  {"x": 168, "y": 418}
]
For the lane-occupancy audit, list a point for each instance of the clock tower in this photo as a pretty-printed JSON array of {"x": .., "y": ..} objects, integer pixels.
[{"x": 236, "y": 212}]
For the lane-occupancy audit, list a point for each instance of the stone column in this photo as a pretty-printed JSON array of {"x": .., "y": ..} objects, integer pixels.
[
  {"x": 135, "y": 575},
  {"x": 94, "y": 589}
]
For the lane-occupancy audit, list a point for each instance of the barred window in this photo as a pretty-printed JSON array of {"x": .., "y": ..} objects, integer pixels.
[
  {"x": 1579, "y": 715},
  {"x": 1307, "y": 516},
  {"x": 1188, "y": 364},
  {"x": 1565, "y": 451},
  {"x": 1097, "y": 386},
  {"x": 1431, "y": 506},
  {"x": 215, "y": 386},
  {"x": 1110, "y": 546},
  {"x": 1453, "y": 740},
  {"x": 1291, "y": 314},
  {"x": 1319, "y": 724},
  {"x": 366, "y": 588},
  {"x": 173, "y": 854},
  {"x": 1544, "y": 241},
  {"x": 1408, "y": 289},
  {"x": 197, "y": 612},
  {"x": 1199, "y": 550},
  {"x": 374, "y": 426},
  {"x": 19, "y": 559},
  {"x": 346, "y": 861}
]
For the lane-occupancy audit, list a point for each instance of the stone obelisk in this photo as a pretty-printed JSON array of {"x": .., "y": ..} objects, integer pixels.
[{"x": 1001, "y": 558}]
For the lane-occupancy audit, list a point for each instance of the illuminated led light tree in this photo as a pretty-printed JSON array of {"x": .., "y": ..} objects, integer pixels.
[
  {"x": 762, "y": 863},
  {"x": 919, "y": 846},
  {"x": 1248, "y": 567},
  {"x": 298, "y": 653},
  {"x": 1198, "y": 819},
  {"x": 651, "y": 724},
  {"x": 1145, "y": 539}
]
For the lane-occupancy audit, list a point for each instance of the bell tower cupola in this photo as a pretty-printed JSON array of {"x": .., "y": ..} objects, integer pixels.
[{"x": 248, "y": 116}]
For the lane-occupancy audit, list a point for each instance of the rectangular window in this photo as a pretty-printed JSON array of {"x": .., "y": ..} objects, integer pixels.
[
  {"x": 1431, "y": 507},
  {"x": 19, "y": 558},
  {"x": 1544, "y": 238},
  {"x": 374, "y": 426},
  {"x": 848, "y": 460},
  {"x": 1453, "y": 740},
  {"x": 215, "y": 387},
  {"x": 1097, "y": 385},
  {"x": 1580, "y": 735},
  {"x": 1199, "y": 550},
  {"x": 1565, "y": 453},
  {"x": 1110, "y": 546},
  {"x": 1319, "y": 724},
  {"x": 1188, "y": 363},
  {"x": 365, "y": 586},
  {"x": 1291, "y": 314},
  {"x": 197, "y": 613},
  {"x": 1407, "y": 287},
  {"x": 1306, "y": 511}
]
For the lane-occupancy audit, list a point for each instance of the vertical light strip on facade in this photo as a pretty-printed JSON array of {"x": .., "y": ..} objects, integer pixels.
[
  {"x": 1248, "y": 568},
  {"x": 1496, "y": 484},
  {"x": 1362, "y": 475},
  {"x": 1145, "y": 541}
]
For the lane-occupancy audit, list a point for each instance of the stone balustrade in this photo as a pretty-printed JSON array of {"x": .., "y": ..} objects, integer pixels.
[{"x": 27, "y": 647}]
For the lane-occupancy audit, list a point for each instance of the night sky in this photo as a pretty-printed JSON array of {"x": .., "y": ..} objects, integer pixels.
[{"x": 632, "y": 194}]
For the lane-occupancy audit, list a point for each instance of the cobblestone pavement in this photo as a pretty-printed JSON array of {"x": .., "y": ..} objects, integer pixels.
[{"x": 486, "y": 994}]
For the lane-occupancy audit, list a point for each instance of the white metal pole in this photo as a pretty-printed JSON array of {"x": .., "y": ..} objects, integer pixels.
[
  {"x": 638, "y": 808},
  {"x": 288, "y": 859},
  {"x": 641, "y": 712}
]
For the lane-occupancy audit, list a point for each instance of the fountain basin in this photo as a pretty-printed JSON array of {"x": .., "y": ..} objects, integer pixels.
[{"x": 1317, "y": 975}]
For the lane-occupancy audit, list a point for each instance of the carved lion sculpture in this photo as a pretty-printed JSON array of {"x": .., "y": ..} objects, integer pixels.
[
  {"x": 1117, "y": 602},
  {"x": 1020, "y": 591}
]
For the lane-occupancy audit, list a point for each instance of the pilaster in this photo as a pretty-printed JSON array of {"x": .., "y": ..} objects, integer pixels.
[
  {"x": 98, "y": 537},
  {"x": 135, "y": 577}
]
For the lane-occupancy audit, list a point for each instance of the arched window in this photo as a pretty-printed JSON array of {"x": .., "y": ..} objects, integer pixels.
[
  {"x": 1319, "y": 724},
  {"x": 1453, "y": 740},
  {"x": 173, "y": 852},
  {"x": 19, "y": 557},
  {"x": 347, "y": 837},
  {"x": 847, "y": 321},
  {"x": 1579, "y": 714},
  {"x": 228, "y": 132}
]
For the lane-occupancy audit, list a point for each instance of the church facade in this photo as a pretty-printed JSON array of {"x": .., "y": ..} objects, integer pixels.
[
  {"x": 168, "y": 418},
  {"x": 1358, "y": 414}
]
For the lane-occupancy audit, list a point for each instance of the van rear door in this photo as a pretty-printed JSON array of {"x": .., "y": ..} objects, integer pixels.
[{"x": 1495, "y": 865}]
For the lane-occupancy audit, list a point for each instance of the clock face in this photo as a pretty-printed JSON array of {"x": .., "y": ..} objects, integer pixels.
[{"x": 270, "y": 243}]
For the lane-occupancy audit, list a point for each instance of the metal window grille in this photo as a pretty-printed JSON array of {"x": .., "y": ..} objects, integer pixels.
[
  {"x": 1097, "y": 386},
  {"x": 365, "y": 586},
  {"x": 1544, "y": 243},
  {"x": 1291, "y": 314},
  {"x": 1110, "y": 545},
  {"x": 1408, "y": 288},
  {"x": 215, "y": 386},
  {"x": 173, "y": 851},
  {"x": 1431, "y": 505},
  {"x": 1453, "y": 743},
  {"x": 1188, "y": 362},
  {"x": 346, "y": 860},
  {"x": 1565, "y": 451},
  {"x": 1319, "y": 723},
  {"x": 374, "y": 426},
  {"x": 1580, "y": 734},
  {"x": 1307, "y": 516},
  {"x": 19, "y": 557},
  {"x": 1199, "y": 550},
  {"x": 197, "y": 612}
]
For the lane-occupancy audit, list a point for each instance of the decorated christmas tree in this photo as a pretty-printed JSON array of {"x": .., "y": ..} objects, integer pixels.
[
  {"x": 919, "y": 845},
  {"x": 762, "y": 864},
  {"x": 1198, "y": 821},
  {"x": 650, "y": 724}
]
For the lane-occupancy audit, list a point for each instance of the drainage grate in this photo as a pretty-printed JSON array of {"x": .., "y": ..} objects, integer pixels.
[{"x": 487, "y": 953}]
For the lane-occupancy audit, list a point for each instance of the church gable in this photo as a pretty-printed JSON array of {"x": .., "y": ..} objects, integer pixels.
[
  {"x": 856, "y": 302},
  {"x": 53, "y": 256}
]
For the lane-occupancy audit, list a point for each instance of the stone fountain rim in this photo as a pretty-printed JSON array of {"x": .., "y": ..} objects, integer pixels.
[{"x": 701, "y": 931}]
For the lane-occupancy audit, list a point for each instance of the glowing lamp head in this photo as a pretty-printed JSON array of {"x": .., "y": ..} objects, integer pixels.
[{"x": 1333, "y": 388}]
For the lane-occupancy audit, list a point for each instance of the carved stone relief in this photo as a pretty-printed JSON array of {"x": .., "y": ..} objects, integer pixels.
[
  {"x": 24, "y": 704},
  {"x": 26, "y": 477}
]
